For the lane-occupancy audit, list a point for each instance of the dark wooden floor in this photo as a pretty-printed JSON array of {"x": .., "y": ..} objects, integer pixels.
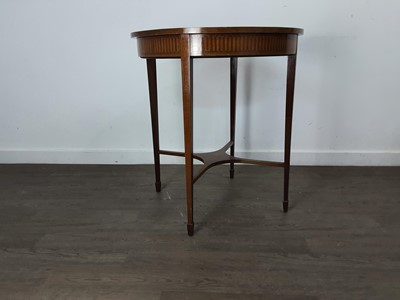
[{"x": 102, "y": 232}]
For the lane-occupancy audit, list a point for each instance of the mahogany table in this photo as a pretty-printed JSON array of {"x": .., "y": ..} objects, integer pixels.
[{"x": 233, "y": 42}]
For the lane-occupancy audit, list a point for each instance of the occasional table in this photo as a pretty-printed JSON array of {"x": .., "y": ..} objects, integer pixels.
[{"x": 232, "y": 42}]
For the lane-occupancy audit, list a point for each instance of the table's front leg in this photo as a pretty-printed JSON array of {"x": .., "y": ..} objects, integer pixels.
[
  {"x": 291, "y": 71},
  {"x": 233, "y": 84},
  {"x": 152, "y": 79},
  {"x": 187, "y": 95}
]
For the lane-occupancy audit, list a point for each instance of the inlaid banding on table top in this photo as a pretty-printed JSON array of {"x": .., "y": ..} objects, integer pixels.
[
  {"x": 243, "y": 44},
  {"x": 160, "y": 46},
  {"x": 219, "y": 45}
]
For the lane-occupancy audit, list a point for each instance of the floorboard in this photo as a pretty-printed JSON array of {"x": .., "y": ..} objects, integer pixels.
[{"x": 102, "y": 232}]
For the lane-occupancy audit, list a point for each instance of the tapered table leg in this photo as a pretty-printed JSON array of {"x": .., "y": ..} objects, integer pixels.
[
  {"x": 187, "y": 94},
  {"x": 152, "y": 79},
  {"x": 291, "y": 71},
  {"x": 233, "y": 84}
]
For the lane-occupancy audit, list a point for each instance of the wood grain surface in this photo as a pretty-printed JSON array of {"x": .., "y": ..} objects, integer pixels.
[
  {"x": 102, "y": 232},
  {"x": 219, "y": 30},
  {"x": 218, "y": 41}
]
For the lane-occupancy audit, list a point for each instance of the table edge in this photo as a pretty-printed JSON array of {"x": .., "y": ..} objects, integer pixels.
[{"x": 221, "y": 30}]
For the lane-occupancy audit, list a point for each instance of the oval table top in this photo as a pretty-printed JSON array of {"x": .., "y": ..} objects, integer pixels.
[
  {"x": 217, "y": 41},
  {"x": 205, "y": 30}
]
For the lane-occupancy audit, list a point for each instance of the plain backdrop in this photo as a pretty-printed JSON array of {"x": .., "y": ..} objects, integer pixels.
[{"x": 73, "y": 90}]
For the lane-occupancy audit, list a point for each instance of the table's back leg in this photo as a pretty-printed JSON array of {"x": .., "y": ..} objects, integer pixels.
[
  {"x": 233, "y": 84},
  {"x": 152, "y": 79},
  {"x": 291, "y": 70},
  {"x": 187, "y": 94}
]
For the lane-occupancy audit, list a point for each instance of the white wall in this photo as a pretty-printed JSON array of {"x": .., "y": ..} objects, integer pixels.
[{"x": 73, "y": 90}]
